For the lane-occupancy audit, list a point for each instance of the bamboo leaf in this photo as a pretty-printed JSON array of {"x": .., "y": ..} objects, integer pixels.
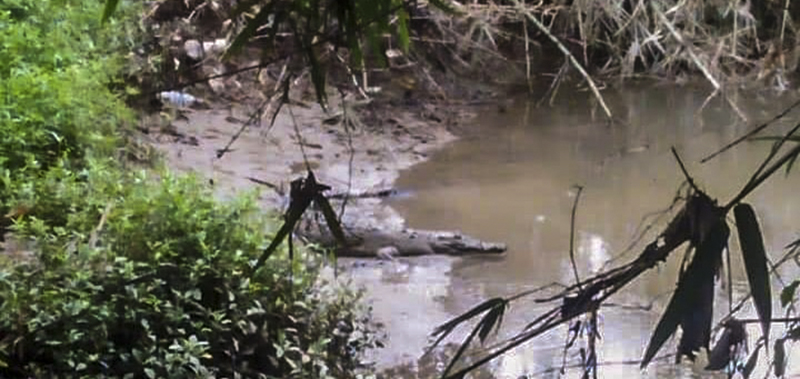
[
  {"x": 779, "y": 359},
  {"x": 445, "y": 329},
  {"x": 666, "y": 326},
  {"x": 462, "y": 349},
  {"x": 755, "y": 263},
  {"x": 751, "y": 363},
  {"x": 685, "y": 306},
  {"x": 787, "y": 295},
  {"x": 720, "y": 356},
  {"x": 697, "y": 319},
  {"x": 302, "y": 193},
  {"x": 108, "y": 10},
  {"x": 331, "y": 220},
  {"x": 492, "y": 320}
]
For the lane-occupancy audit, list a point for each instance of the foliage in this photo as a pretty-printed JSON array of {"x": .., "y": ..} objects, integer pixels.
[
  {"x": 55, "y": 104},
  {"x": 135, "y": 274},
  {"x": 153, "y": 279},
  {"x": 315, "y": 24}
]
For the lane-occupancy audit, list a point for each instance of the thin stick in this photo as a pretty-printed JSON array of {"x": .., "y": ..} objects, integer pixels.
[
  {"x": 685, "y": 173},
  {"x": 351, "y": 151},
  {"x": 572, "y": 237},
  {"x": 752, "y": 186},
  {"x": 772, "y": 320},
  {"x": 696, "y": 59},
  {"x": 752, "y": 132},
  {"x": 757, "y": 179},
  {"x": 527, "y": 56},
  {"x": 785, "y": 16},
  {"x": 566, "y": 53}
]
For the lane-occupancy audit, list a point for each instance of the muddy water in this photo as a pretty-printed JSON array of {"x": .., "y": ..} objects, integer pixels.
[{"x": 511, "y": 178}]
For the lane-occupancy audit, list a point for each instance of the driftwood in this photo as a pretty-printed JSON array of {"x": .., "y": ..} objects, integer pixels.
[{"x": 375, "y": 243}]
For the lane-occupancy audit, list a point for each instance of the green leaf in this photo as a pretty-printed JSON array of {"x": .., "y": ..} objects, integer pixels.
[
  {"x": 111, "y": 5},
  {"x": 150, "y": 373},
  {"x": 755, "y": 262},
  {"x": 403, "y": 38},
  {"x": 787, "y": 295}
]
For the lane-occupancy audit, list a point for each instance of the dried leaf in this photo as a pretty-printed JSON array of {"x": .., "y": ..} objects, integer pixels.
[{"x": 755, "y": 263}]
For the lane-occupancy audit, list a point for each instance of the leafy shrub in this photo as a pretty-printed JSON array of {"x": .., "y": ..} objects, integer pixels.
[
  {"x": 56, "y": 66},
  {"x": 152, "y": 279},
  {"x": 135, "y": 274}
]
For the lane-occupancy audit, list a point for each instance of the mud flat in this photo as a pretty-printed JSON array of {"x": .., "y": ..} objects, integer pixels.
[{"x": 407, "y": 294}]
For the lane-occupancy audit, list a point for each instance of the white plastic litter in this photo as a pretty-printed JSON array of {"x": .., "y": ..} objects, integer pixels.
[{"x": 178, "y": 99}]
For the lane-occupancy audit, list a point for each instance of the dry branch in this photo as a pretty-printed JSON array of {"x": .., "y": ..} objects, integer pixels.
[
  {"x": 696, "y": 60},
  {"x": 530, "y": 16}
]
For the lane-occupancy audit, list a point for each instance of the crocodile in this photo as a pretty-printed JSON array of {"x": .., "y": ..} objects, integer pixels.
[{"x": 376, "y": 243}]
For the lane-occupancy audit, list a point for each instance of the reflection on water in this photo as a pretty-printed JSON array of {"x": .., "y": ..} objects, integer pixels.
[{"x": 511, "y": 179}]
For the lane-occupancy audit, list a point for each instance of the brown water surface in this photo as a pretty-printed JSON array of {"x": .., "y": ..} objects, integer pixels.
[{"x": 511, "y": 178}]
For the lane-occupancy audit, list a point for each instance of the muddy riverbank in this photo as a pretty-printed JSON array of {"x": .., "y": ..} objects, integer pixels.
[{"x": 362, "y": 156}]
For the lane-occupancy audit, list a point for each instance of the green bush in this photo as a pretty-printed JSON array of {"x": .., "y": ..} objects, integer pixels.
[
  {"x": 160, "y": 288},
  {"x": 135, "y": 274},
  {"x": 56, "y": 67}
]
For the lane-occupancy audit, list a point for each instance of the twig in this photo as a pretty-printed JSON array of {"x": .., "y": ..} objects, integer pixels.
[
  {"x": 763, "y": 173},
  {"x": 364, "y": 195},
  {"x": 772, "y": 320},
  {"x": 255, "y": 115},
  {"x": 527, "y": 55},
  {"x": 350, "y": 150},
  {"x": 572, "y": 237},
  {"x": 93, "y": 237},
  {"x": 786, "y": 15},
  {"x": 272, "y": 186},
  {"x": 631, "y": 362},
  {"x": 685, "y": 173},
  {"x": 752, "y": 132},
  {"x": 696, "y": 59}
]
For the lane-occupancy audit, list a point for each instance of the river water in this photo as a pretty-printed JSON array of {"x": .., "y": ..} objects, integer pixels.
[{"x": 511, "y": 178}]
